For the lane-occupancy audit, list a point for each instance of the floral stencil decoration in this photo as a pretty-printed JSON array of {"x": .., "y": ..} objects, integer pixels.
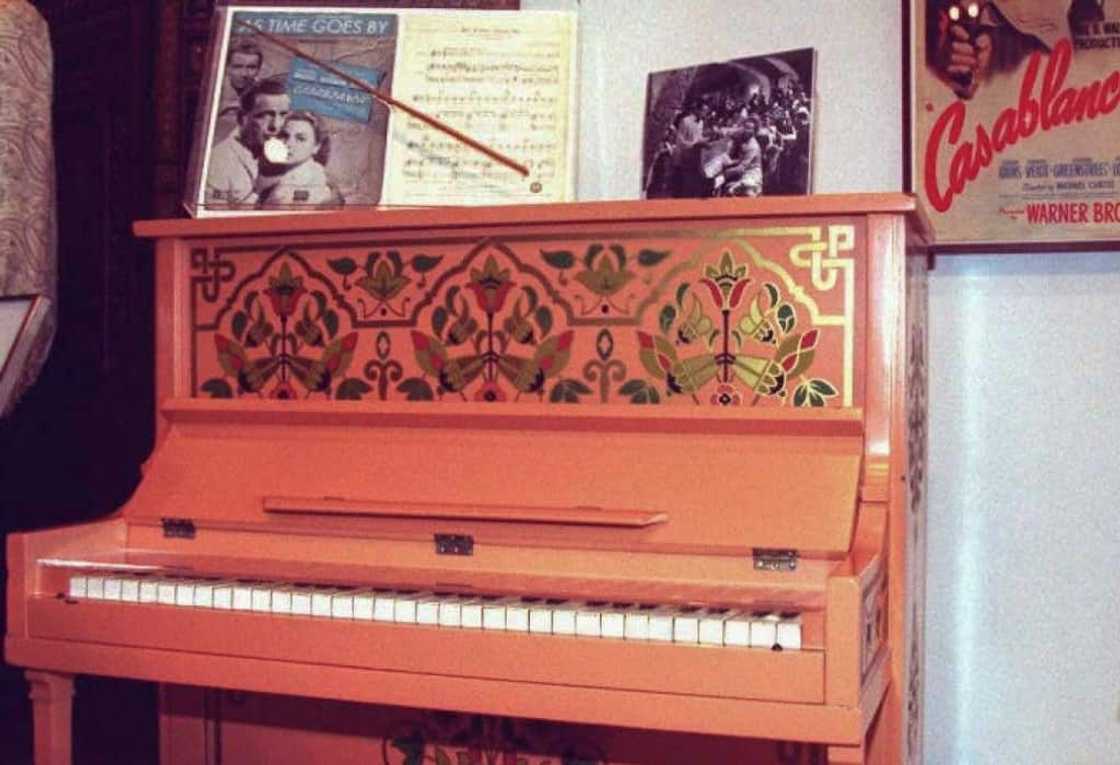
[
  {"x": 509, "y": 351},
  {"x": 285, "y": 345},
  {"x": 706, "y": 340}
]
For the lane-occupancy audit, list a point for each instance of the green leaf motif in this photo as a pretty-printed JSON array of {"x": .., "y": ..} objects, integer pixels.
[
  {"x": 330, "y": 318},
  {"x": 422, "y": 264},
  {"x": 568, "y": 391},
  {"x": 787, "y": 317},
  {"x": 320, "y": 301},
  {"x": 343, "y": 266},
  {"x": 814, "y": 392},
  {"x": 544, "y": 320},
  {"x": 801, "y": 395},
  {"x": 439, "y": 320},
  {"x": 217, "y": 388},
  {"x": 240, "y": 321},
  {"x": 352, "y": 389},
  {"x": 250, "y": 298},
  {"x": 619, "y": 255},
  {"x": 666, "y": 318},
  {"x": 649, "y": 258},
  {"x": 823, "y": 387},
  {"x": 416, "y": 389},
  {"x": 681, "y": 292},
  {"x": 640, "y": 392},
  {"x": 559, "y": 259},
  {"x": 592, "y": 252},
  {"x": 442, "y": 758}
]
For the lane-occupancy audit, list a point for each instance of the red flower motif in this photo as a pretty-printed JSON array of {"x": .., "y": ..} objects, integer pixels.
[
  {"x": 490, "y": 286},
  {"x": 726, "y": 395},
  {"x": 285, "y": 291},
  {"x": 490, "y": 391},
  {"x": 727, "y": 283}
]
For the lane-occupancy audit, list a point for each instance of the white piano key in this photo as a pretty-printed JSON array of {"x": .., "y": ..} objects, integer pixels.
[
  {"x": 280, "y": 598},
  {"x": 517, "y": 615},
  {"x": 363, "y": 605},
  {"x": 494, "y": 613},
  {"x": 149, "y": 591},
  {"x": 261, "y": 597},
  {"x": 95, "y": 586},
  {"x": 451, "y": 611},
  {"x": 737, "y": 629},
  {"x": 589, "y": 618},
  {"x": 301, "y": 599},
  {"x": 223, "y": 595},
  {"x": 789, "y": 632},
  {"x": 243, "y": 595},
  {"x": 184, "y": 593},
  {"x": 112, "y": 588},
  {"x": 78, "y": 586},
  {"x": 165, "y": 592},
  {"x": 540, "y": 617},
  {"x": 661, "y": 624},
  {"x": 427, "y": 608},
  {"x": 404, "y": 607},
  {"x": 764, "y": 630},
  {"x": 321, "y": 601},
  {"x": 636, "y": 624},
  {"x": 686, "y": 625},
  {"x": 384, "y": 604},
  {"x": 471, "y": 611},
  {"x": 563, "y": 617},
  {"x": 342, "y": 605},
  {"x": 204, "y": 593},
  {"x": 612, "y": 622},
  {"x": 130, "y": 589},
  {"x": 711, "y": 625}
]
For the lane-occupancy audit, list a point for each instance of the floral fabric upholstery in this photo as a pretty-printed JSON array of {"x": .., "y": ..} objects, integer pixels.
[{"x": 27, "y": 199}]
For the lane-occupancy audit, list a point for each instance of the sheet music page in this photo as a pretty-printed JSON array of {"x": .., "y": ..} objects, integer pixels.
[{"x": 506, "y": 79}]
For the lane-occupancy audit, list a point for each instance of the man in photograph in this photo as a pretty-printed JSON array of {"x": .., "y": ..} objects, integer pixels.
[
  {"x": 235, "y": 161},
  {"x": 243, "y": 67}
]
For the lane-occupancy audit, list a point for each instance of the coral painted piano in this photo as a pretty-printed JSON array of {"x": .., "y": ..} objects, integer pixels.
[{"x": 646, "y": 467}]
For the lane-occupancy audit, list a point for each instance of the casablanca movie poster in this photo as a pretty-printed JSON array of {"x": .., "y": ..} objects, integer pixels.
[{"x": 1016, "y": 119}]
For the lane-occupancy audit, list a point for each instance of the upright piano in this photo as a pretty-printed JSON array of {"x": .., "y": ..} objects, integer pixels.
[{"x": 648, "y": 467}]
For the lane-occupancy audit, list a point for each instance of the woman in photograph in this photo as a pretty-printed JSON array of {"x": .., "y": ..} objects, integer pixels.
[{"x": 301, "y": 178}]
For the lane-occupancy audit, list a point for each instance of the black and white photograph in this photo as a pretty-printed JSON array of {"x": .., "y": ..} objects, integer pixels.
[{"x": 738, "y": 128}]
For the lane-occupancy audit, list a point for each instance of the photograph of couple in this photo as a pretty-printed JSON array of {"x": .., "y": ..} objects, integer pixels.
[{"x": 284, "y": 134}]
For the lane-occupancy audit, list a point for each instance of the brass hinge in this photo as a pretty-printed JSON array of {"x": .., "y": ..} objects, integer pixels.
[
  {"x": 177, "y": 528},
  {"x": 768, "y": 559}
]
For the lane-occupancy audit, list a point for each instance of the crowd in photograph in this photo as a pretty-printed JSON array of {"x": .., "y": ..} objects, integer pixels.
[{"x": 723, "y": 144}]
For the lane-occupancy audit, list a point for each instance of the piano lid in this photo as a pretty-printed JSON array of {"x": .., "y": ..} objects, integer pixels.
[{"x": 704, "y": 482}]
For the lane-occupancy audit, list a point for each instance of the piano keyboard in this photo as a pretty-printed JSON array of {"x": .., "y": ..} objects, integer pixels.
[{"x": 695, "y": 625}]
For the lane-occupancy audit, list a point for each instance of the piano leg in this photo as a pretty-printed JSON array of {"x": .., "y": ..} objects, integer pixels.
[{"x": 52, "y": 696}]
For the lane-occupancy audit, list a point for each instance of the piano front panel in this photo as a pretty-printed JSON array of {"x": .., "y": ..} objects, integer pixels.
[{"x": 765, "y": 314}]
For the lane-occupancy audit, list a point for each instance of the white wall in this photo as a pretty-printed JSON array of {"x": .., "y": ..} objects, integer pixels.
[{"x": 1023, "y": 611}]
